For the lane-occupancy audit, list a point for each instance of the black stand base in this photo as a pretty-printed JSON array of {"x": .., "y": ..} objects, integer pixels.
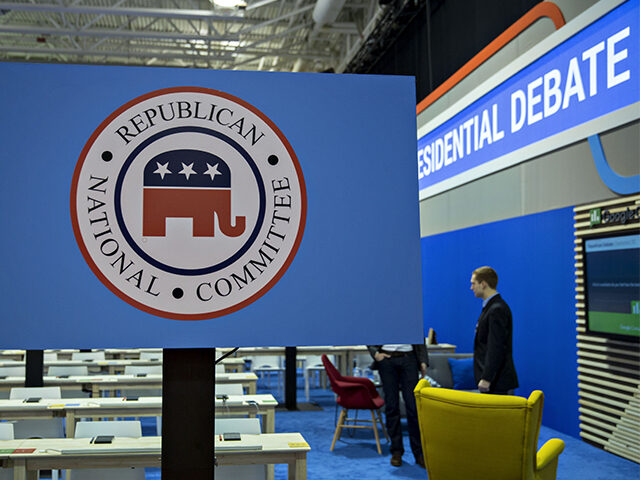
[
  {"x": 34, "y": 363},
  {"x": 188, "y": 411},
  {"x": 290, "y": 379}
]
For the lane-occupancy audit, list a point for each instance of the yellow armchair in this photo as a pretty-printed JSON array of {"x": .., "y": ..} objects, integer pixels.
[{"x": 474, "y": 436}]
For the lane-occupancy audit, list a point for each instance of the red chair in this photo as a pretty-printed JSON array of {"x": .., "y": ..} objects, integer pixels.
[{"x": 355, "y": 393}]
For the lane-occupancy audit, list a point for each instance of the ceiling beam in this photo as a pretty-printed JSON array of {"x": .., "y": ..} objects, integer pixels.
[
  {"x": 175, "y": 13},
  {"x": 273, "y": 21},
  {"x": 258, "y": 4},
  {"x": 202, "y": 54},
  {"x": 129, "y": 54},
  {"x": 95, "y": 32}
]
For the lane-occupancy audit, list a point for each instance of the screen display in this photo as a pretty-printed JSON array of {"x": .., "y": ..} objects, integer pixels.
[
  {"x": 612, "y": 275},
  {"x": 245, "y": 265}
]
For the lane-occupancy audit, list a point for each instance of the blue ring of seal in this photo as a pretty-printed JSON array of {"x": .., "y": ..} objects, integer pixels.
[{"x": 186, "y": 271}]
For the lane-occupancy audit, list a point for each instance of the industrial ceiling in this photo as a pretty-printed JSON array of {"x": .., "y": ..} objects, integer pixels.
[{"x": 278, "y": 35}]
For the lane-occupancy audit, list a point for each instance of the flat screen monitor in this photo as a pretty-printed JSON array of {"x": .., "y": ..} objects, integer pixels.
[{"x": 612, "y": 279}]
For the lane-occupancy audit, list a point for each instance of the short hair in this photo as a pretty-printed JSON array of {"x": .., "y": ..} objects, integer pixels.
[{"x": 486, "y": 274}]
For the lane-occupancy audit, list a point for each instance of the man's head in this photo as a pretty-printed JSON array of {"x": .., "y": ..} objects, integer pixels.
[{"x": 484, "y": 281}]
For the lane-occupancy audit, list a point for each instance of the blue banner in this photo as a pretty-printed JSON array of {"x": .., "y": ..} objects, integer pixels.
[{"x": 593, "y": 73}]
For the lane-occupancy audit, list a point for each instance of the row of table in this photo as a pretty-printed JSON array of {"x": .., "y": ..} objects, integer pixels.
[
  {"x": 75, "y": 408},
  {"x": 344, "y": 354},
  {"x": 112, "y": 366},
  {"x": 97, "y": 384},
  {"x": 26, "y": 457}
]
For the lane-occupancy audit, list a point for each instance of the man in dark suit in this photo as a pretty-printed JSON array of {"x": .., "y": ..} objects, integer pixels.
[
  {"x": 492, "y": 348},
  {"x": 399, "y": 367}
]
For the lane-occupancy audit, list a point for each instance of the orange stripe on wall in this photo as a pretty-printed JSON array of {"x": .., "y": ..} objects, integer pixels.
[{"x": 542, "y": 10}]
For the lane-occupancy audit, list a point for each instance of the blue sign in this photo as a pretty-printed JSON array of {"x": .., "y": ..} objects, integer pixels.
[
  {"x": 159, "y": 207},
  {"x": 592, "y": 74}
]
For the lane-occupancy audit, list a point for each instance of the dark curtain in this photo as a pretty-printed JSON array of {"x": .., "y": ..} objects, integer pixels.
[{"x": 459, "y": 30}]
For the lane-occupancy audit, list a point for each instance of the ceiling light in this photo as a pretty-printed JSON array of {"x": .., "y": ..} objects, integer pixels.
[{"x": 230, "y": 3}]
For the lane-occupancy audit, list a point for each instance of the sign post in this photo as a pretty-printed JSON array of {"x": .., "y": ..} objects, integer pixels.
[
  {"x": 33, "y": 364},
  {"x": 188, "y": 413}
]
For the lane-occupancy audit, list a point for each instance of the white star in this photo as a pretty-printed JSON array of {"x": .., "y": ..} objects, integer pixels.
[
  {"x": 162, "y": 169},
  {"x": 187, "y": 170},
  {"x": 213, "y": 171}
]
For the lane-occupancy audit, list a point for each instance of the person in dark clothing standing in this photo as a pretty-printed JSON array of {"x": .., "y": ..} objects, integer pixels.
[
  {"x": 493, "y": 364},
  {"x": 399, "y": 367}
]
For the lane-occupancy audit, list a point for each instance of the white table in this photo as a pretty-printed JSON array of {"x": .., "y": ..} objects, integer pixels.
[
  {"x": 231, "y": 365},
  {"x": 110, "y": 407},
  {"x": 99, "y": 383},
  {"x": 344, "y": 354},
  {"x": 72, "y": 453}
]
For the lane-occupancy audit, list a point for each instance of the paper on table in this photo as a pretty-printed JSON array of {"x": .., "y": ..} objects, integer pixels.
[
  {"x": 235, "y": 446},
  {"x": 110, "y": 450},
  {"x": 228, "y": 403}
]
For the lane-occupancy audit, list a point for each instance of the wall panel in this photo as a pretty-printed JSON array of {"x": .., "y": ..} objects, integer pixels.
[
  {"x": 608, "y": 368},
  {"x": 533, "y": 256}
]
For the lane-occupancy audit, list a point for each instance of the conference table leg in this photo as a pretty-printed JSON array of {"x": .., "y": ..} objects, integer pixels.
[
  {"x": 349, "y": 356},
  {"x": 71, "y": 423},
  {"x": 269, "y": 426},
  {"x": 342, "y": 361},
  {"x": 297, "y": 468},
  {"x": 269, "y": 421},
  {"x": 20, "y": 470}
]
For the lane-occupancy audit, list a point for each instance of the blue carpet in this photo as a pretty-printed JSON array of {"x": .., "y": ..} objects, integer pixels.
[{"x": 355, "y": 455}]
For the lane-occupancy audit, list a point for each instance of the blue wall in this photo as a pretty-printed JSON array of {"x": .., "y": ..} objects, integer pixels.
[{"x": 533, "y": 256}]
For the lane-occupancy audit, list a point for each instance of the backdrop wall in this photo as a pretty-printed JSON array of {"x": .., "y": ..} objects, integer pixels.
[{"x": 533, "y": 256}]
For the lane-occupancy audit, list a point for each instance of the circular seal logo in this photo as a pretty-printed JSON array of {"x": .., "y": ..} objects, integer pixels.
[{"x": 188, "y": 203}]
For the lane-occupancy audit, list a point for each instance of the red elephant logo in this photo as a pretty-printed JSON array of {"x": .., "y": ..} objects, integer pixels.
[{"x": 188, "y": 184}]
